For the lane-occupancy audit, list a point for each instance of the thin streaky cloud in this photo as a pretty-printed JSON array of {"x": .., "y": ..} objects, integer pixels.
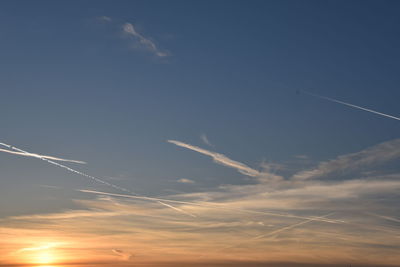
[
  {"x": 44, "y": 247},
  {"x": 104, "y": 18},
  {"x": 205, "y": 140},
  {"x": 185, "y": 181},
  {"x": 40, "y": 156},
  {"x": 212, "y": 205},
  {"x": 372, "y": 156},
  {"x": 278, "y": 231},
  {"x": 290, "y": 227},
  {"x": 72, "y": 170},
  {"x": 146, "y": 43},
  {"x": 351, "y": 105},
  {"x": 177, "y": 209},
  {"x": 389, "y": 218},
  {"x": 49, "y": 186},
  {"x": 220, "y": 159}
]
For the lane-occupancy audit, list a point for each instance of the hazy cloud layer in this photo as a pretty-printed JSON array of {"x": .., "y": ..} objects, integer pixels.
[
  {"x": 365, "y": 159},
  {"x": 316, "y": 220}
]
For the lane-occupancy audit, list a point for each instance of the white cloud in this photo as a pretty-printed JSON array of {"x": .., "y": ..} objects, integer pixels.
[
  {"x": 301, "y": 157},
  {"x": 185, "y": 181},
  {"x": 144, "y": 42},
  {"x": 205, "y": 140},
  {"x": 220, "y": 159},
  {"x": 371, "y": 157},
  {"x": 288, "y": 213},
  {"x": 104, "y": 18}
]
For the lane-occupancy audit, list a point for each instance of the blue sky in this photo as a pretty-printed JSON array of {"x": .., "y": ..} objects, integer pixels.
[{"x": 74, "y": 84}]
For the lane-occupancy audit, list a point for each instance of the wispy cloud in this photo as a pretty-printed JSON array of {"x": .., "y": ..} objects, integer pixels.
[
  {"x": 146, "y": 43},
  {"x": 177, "y": 209},
  {"x": 291, "y": 215},
  {"x": 123, "y": 254},
  {"x": 40, "y": 156},
  {"x": 220, "y": 159},
  {"x": 301, "y": 157},
  {"x": 155, "y": 233},
  {"x": 274, "y": 232},
  {"x": 101, "y": 181},
  {"x": 367, "y": 158},
  {"x": 185, "y": 181},
  {"x": 104, "y": 19},
  {"x": 233, "y": 207},
  {"x": 205, "y": 140}
]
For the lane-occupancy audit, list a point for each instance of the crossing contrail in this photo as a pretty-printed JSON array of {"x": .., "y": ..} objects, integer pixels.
[
  {"x": 278, "y": 231},
  {"x": 160, "y": 200},
  {"x": 40, "y": 156},
  {"x": 86, "y": 175},
  {"x": 177, "y": 209},
  {"x": 67, "y": 168},
  {"x": 214, "y": 206},
  {"x": 349, "y": 105}
]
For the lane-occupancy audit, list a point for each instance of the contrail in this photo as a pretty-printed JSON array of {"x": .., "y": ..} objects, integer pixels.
[
  {"x": 177, "y": 209},
  {"x": 350, "y": 105},
  {"x": 280, "y": 230},
  {"x": 158, "y": 200},
  {"x": 289, "y": 227},
  {"x": 81, "y": 173},
  {"x": 68, "y": 168},
  {"x": 274, "y": 232},
  {"x": 220, "y": 159},
  {"x": 213, "y": 205},
  {"x": 41, "y": 156},
  {"x": 383, "y": 217}
]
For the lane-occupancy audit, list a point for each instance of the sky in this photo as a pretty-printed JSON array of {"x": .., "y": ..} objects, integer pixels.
[{"x": 217, "y": 133}]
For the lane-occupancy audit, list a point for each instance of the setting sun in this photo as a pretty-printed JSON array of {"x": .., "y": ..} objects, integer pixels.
[
  {"x": 43, "y": 254},
  {"x": 199, "y": 133},
  {"x": 44, "y": 257}
]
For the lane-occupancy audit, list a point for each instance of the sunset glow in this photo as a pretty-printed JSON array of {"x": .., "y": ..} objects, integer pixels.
[{"x": 200, "y": 133}]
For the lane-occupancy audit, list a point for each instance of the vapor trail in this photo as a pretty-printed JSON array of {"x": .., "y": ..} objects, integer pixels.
[
  {"x": 41, "y": 156},
  {"x": 220, "y": 159},
  {"x": 350, "y": 105},
  {"x": 177, "y": 209},
  {"x": 80, "y": 173},
  {"x": 213, "y": 205},
  {"x": 289, "y": 227},
  {"x": 273, "y": 232},
  {"x": 278, "y": 230},
  {"x": 383, "y": 217}
]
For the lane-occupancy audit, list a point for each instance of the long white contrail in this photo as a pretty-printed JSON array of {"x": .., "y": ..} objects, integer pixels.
[
  {"x": 350, "y": 105},
  {"x": 213, "y": 206},
  {"x": 68, "y": 168},
  {"x": 83, "y": 174},
  {"x": 41, "y": 156}
]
